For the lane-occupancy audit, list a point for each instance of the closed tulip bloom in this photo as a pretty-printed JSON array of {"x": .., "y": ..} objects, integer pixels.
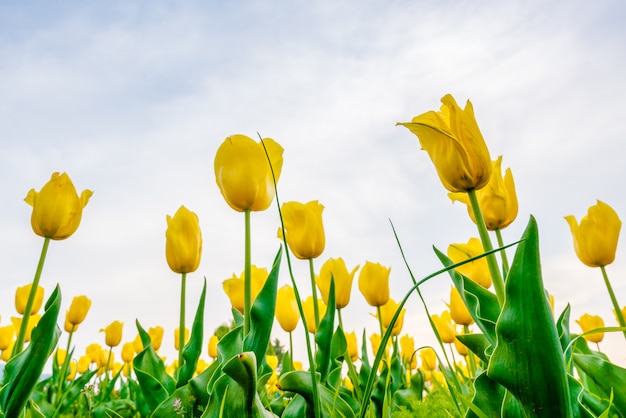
[
  {"x": 78, "y": 310},
  {"x": 287, "y": 312},
  {"x": 407, "y": 348},
  {"x": 6, "y": 353},
  {"x": 375, "y": 340},
  {"x": 234, "y": 287},
  {"x": 595, "y": 238},
  {"x": 57, "y": 208},
  {"x": 309, "y": 313},
  {"x": 303, "y": 228},
  {"x": 61, "y": 356},
  {"x": 177, "y": 339},
  {"x": 183, "y": 241},
  {"x": 83, "y": 364},
  {"x": 429, "y": 359},
  {"x": 138, "y": 344},
  {"x": 243, "y": 173},
  {"x": 387, "y": 311},
  {"x": 589, "y": 323},
  {"x": 444, "y": 327},
  {"x": 32, "y": 323},
  {"x": 72, "y": 371},
  {"x": 374, "y": 283},
  {"x": 336, "y": 268},
  {"x": 21, "y": 298},
  {"x": 623, "y": 310},
  {"x": 156, "y": 337},
  {"x": 455, "y": 145},
  {"x": 460, "y": 347},
  {"x": 213, "y": 346},
  {"x": 113, "y": 333},
  {"x": 497, "y": 200},
  {"x": 477, "y": 270},
  {"x": 353, "y": 350},
  {"x": 94, "y": 352},
  {"x": 458, "y": 311},
  {"x": 128, "y": 352},
  {"x": 7, "y": 334}
]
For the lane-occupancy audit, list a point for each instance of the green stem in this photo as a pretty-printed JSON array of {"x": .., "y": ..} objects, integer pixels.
[
  {"x": 505, "y": 260},
  {"x": 471, "y": 361},
  {"x": 380, "y": 322},
  {"x": 316, "y": 309},
  {"x": 494, "y": 270},
  {"x": 618, "y": 312},
  {"x": 247, "y": 277},
  {"x": 181, "y": 326},
  {"x": 64, "y": 368},
  {"x": 291, "y": 350},
  {"x": 21, "y": 336}
]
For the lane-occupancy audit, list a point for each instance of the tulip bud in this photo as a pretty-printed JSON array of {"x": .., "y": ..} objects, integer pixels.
[
  {"x": 57, "y": 208},
  {"x": 353, "y": 349},
  {"x": 213, "y": 346},
  {"x": 387, "y": 311},
  {"x": 234, "y": 287},
  {"x": 407, "y": 347},
  {"x": 460, "y": 347},
  {"x": 113, "y": 333},
  {"x": 374, "y": 283},
  {"x": 243, "y": 173},
  {"x": 78, "y": 310},
  {"x": 287, "y": 312},
  {"x": 477, "y": 270},
  {"x": 21, "y": 298},
  {"x": 303, "y": 228},
  {"x": 183, "y": 241},
  {"x": 455, "y": 145},
  {"x": 595, "y": 238},
  {"x": 589, "y": 323},
  {"x": 336, "y": 268},
  {"x": 458, "y": 311},
  {"x": 177, "y": 337},
  {"x": 156, "y": 337},
  {"x": 309, "y": 313},
  {"x": 429, "y": 359},
  {"x": 128, "y": 352},
  {"x": 444, "y": 327},
  {"x": 7, "y": 334}
]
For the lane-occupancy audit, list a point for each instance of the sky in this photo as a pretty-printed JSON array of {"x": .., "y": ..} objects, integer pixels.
[{"x": 132, "y": 100}]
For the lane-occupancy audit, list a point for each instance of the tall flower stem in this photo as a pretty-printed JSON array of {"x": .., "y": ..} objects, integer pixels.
[
  {"x": 65, "y": 363},
  {"x": 181, "y": 325},
  {"x": 316, "y": 309},
  {"x": 291, "y": 350},
  {"x": 247, "y": 278},
  {"x": 471, "y": 360},
  {"x": 505, "y": 260},
  {"x": 618, "y": 312},
  {"x": 494, "y": 269},
  {"x": 21, "y": 336},
  {"x": 380, "y": 322}
]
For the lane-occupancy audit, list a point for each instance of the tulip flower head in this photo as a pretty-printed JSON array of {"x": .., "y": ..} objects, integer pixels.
[
  {"x": 234, "y": 287},
  {"x": 156, "y": 337},
  {"x": 589, "y": 323},
  {"x": 387, "y": 311},
  {"x": 213, "y": 346},
  {"x": 458, "y": 310},
  {"x": 455, "y": 145},
  {"x": 429, "y": 359},
  {"x": 7, "y": 335},
  {"x": 128, "y": 352},
  {"x": 595, "y": 238},
  {"x": 113, "y": 333},
  {"x": 304, "y": 229},
  {"x": 78, "y": 310},
  {"x": 353, "y": 349},
  {"x": 177, "y": 337},
  {"x": 407, "y": 348},
  {"x": 57, "y": 208},
  {"x": 444, "y": 327},
  {"x": 497, "y": 200},
  {"x": 32, "y": 323},
  {"x": 243, "y": 173},
  {"x": 183, "y": 241},
  {"x": 460, "y": 347},
  {"x": 336, "y": 268},
  {"x": 21, "y": 298},
  {"x": 374, "y": 283},
  {"x": 477, "y": 270},
  {"x": 287, "y": 312},
  {"x": 309, "y": 313}
]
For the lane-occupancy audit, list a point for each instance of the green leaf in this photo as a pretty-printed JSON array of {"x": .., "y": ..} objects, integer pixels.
[
  {"x": 155, "y": 383},
  {"x": 608, "y": 376},
  {"x": 488, "y": 396},
  {"x": 477, "y": 344},
  {"x": 528, "y": 359},
  {"x": 193, "y": 348},
  {"x": 324, "y": 335},
  {"x": 179, "y": 403},
  {"x": 262, "y": 314},
  {"x": 404, "y": 397},
  {"x": 22, "y": 372}
]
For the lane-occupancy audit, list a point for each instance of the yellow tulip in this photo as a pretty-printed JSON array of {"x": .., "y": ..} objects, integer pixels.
[
  {"x": 444, "y": 327},
  {"x": 138, "y": 344},
  {"x": 7, "y": 334},
  {"x": 128, "y": 352},
  {"x": 243, "y": 174},
  {"x": 213, "y": 346},
  {"x": 309, "y": 314},
  {"x": 387, "y": 311},
  {"x": 458, "y": 311},
  {"x": 83, "y": 364},
  {"x": 407, "y": 348},
  {"x": 57, "y": 208},
  {"x": 353, "y": 350},
  {"x": 72, "y": 371},
  {"x": 61, "y": 356},
  {"x": 336, "y": 268},
  {"x": 589, "y": 323},
  {"x": 94, "y": 351},
  {"x": 6, "y": 354},
  {"x": 595, "y": 238},
  {"x": 183, "y": 241},
  {"x": 32, "y": 323},
  {"x": 177, "y": 337},
  {"x": 455, "y": 145},
  {"x": 477, "y": 270},
  {"x": 374, "y": 283},
  {"x": 272, "y": 361},
  {"x": 287, "y": 312},
  {"x": 113, "y": 333},
  {"x": 460, "y": 347},
  {"x": 429, "y": 359},
  {"x": 303, "y": 228},
  {"x": 156, "y": 337},
  {"x": 21, "y": 298},
  {"x": 234, "y": 288},
  {"x": 78, "y": 310},
  {"x": 375, "y": 340},
  {"x": 497, "y": 200},
  {"x": 201, "y": 366},
  {"x": 623, "y": 310}
]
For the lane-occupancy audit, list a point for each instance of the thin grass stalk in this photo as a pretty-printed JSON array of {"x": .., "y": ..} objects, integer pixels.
[
  {"x": 618, "y": 312},
  {"x": 505, "y": 260}
]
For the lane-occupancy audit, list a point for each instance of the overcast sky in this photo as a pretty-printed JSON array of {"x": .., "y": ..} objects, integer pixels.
[{"x": 132, "y": 100}]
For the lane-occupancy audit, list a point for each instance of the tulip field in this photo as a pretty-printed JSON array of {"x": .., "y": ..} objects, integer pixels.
[{"x": 502, "y": 350}]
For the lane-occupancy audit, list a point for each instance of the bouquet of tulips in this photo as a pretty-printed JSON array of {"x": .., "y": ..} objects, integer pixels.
[{"x": 503, "y": 371}]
